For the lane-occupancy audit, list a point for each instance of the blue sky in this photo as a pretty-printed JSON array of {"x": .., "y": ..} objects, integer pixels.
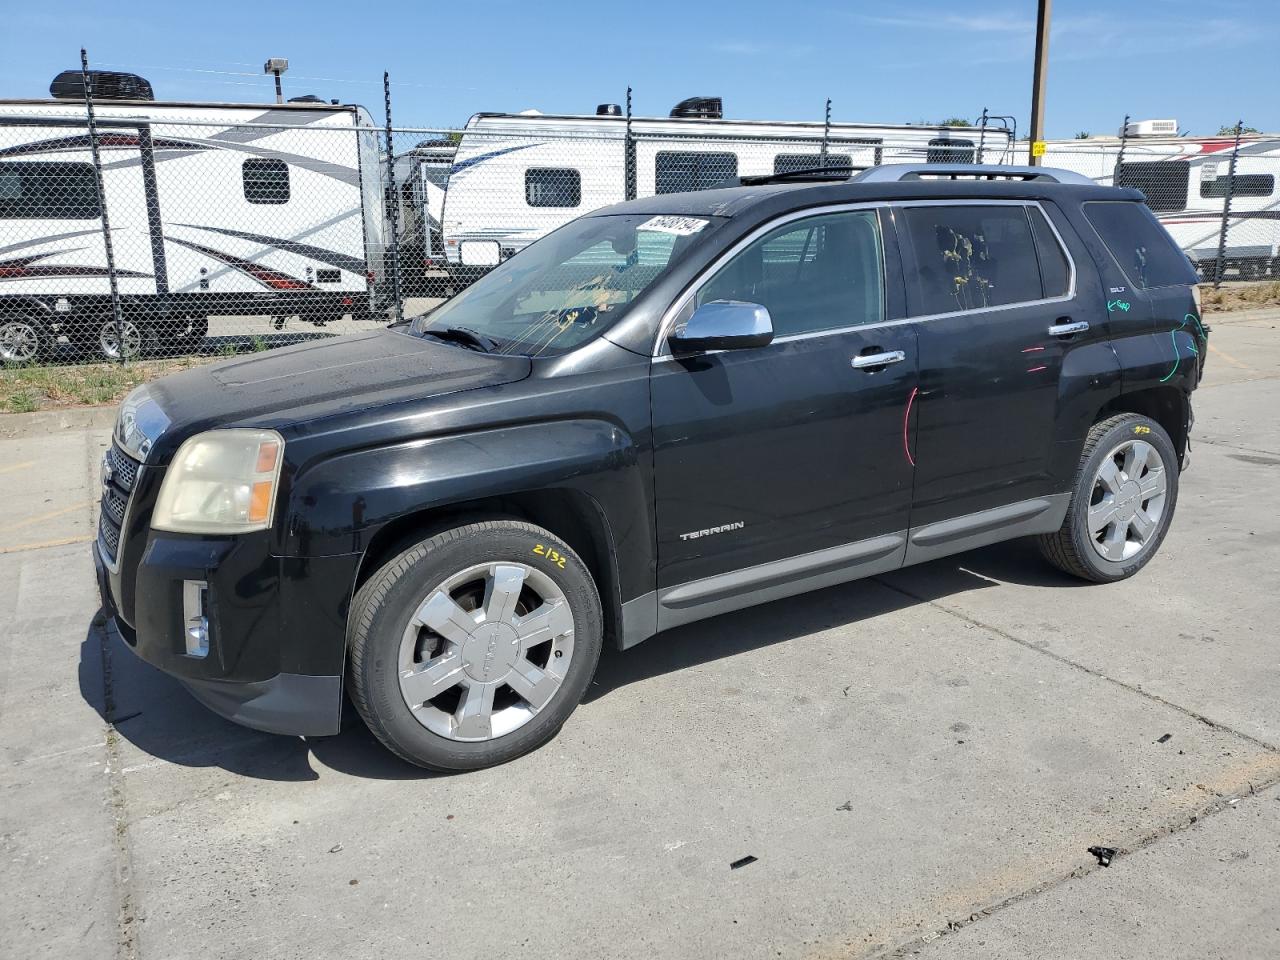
[{"x": 1205, "y": 62}]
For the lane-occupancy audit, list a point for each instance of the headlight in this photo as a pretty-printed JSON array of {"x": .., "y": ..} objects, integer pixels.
[{"x": 222, "y": 481}]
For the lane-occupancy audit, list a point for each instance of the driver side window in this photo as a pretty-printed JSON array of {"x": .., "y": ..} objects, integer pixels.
[{"x": 821, "y": 273}]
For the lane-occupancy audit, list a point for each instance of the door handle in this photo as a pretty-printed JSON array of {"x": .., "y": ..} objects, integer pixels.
[
  {"x": 865, "y": 360},
  {"x": 1067, "y": 329}
]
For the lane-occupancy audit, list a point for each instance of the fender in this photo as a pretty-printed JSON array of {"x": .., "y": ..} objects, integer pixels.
[{"x": 336, "y": 505}]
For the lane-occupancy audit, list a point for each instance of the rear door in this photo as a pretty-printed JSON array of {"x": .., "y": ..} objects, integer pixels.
[
  {"x": 1000, "y": 316},
  {"x": 780, "y": 451}
]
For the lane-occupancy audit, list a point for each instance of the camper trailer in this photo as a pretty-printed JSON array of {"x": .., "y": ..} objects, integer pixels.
[
  {"x": 1185, "y": 182},
  {"x": 421, "y": 176},
  {"x": 214, "y": 210},
  {"x": 516, "y": 177}
]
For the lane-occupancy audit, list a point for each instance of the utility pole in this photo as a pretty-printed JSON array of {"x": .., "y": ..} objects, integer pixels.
[
  {"x": 277, "y": 65},
  {"x": 1037, "y": 82}
]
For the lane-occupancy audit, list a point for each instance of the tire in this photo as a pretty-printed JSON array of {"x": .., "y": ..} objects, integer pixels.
[
  {"x": 1138, "y": 508},
  {"x": 427, "y": 606},
  {"x": 133, "y": 333},
  {"x": 24, "y": 340}
]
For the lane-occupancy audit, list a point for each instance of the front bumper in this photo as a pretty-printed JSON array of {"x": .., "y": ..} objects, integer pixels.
[{"x": 277, "y": 629}]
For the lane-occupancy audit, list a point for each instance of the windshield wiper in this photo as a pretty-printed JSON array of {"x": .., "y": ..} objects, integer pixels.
[{"x": 463, "y": 336}]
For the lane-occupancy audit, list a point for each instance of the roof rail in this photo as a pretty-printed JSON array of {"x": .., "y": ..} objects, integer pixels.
[{"x": 898, "y": 172}]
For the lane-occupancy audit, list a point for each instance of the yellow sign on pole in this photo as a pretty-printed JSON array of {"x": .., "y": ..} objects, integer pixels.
[{"x": 1037, "y": 148}]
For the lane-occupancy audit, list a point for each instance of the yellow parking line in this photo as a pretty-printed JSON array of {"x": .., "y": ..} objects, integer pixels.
[
  {"x": 1231, "y": 360},
  {"x": 47, "y": 543},
  {"x": 47, "y": 516},
  {"x": 17, "y": 466}
]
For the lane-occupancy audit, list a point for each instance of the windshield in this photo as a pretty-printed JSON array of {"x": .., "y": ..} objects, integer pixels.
[{"x": 568, "y": 287}]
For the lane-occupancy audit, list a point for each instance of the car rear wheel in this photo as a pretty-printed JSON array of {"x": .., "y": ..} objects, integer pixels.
[
  {"x": 1123, "y": 501},
  {"x": 473, "y": 647}
]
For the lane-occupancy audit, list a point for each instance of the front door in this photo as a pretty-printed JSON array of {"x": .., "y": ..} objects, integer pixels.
[{"x": 774, "y": 453}]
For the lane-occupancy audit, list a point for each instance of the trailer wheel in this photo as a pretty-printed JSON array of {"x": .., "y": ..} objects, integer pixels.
[
  {"x": 126, "y": 346},
  {"x": 23, "y": 339}
]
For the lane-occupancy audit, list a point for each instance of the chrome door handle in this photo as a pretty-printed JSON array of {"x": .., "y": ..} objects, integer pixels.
[
  {"x": 1067, "y": 329},
  {"x": 865, "y": 360}
]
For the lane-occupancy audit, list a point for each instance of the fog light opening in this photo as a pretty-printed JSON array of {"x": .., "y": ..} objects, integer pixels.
[{"x": 195, "y": 624}]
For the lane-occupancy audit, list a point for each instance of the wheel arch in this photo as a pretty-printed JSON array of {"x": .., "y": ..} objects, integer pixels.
[
  {"x": 1169, "y": 406},
  {"x": 573, "y": 515}
]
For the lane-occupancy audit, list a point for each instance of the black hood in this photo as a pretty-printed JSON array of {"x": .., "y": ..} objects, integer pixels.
[{"x": 310, "y": 381}]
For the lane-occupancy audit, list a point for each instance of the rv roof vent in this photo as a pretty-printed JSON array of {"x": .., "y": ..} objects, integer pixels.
[
  {"x": 105, "y": 85},
  {"x": 608, "y": 110},
  {"x": 1150, "y": 128},
  {"x": 307, "y": 98},
  {"x": 704, "y": 108}
]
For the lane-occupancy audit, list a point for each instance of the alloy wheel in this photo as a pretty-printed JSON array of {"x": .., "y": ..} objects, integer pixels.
[
  {"x": 1127, "y": 505},
  {"x": 485, "y": 651},
  {"x": 19, "y": 341},
  {"x": 130, "y": 334}
]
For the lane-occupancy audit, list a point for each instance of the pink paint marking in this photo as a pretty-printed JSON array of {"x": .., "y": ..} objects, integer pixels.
[
  {"x": 906, "y": 427},
  {"x": 1033, "y": 349},
  {"x": 1037, "y": 369}
]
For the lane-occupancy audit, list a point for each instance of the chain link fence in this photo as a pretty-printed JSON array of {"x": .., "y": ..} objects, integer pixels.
[{"x": 133, "y": 230}]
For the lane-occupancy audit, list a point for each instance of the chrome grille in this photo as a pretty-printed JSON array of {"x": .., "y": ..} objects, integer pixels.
[{"x": 119, "y": 475}]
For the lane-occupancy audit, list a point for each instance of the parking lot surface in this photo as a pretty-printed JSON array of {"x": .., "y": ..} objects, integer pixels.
[{"x": 917, "y": 762}]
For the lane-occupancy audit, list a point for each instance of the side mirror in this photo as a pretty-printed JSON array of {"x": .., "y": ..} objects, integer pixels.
[{"x": 723, "y": 325}]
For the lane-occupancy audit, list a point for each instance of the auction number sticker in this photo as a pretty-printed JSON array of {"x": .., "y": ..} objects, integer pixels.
[{"x": 680, "y": 226}]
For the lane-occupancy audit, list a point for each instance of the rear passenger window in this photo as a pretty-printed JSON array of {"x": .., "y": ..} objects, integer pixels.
[
  {"x": 1143, "y": 249},
  {"x": 1055, "y": 271},
  {"x": 972, "y": 257},
  {"x": 823, "y": 273}
]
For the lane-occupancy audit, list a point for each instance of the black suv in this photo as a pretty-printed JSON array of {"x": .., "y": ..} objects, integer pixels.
[{"x": 664, "y": 410}]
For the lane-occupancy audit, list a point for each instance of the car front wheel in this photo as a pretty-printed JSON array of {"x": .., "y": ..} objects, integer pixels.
[
  {"x": 1125, "y": 491},
  {"x": 473, "y": 647}
]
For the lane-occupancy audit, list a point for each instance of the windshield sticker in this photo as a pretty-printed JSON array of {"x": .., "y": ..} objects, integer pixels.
[{"x": 680, "y": 226}]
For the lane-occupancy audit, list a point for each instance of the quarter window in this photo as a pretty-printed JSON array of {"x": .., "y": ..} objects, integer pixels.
[
  {"x": 1143, "y": 249},
  {"x": 43, "y": 190},
  {"x": 822, "y": 273},
  {"x": 678, "y": 171},
  {"x": 948, "y": 150},
  {"x": 1163, "y": 183},
  {"x": 552, "y": 187},
  {"x": 1055, "y": 271},
  {"x": 972, "y": 257},
  {"x": 267, "y": 181}
]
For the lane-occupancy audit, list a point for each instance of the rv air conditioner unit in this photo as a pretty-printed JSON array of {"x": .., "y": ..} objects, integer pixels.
[
  {"x": 1150, "y": 128},
  {"x": 104, "y": 84},
  {"x": 608, "y": 110},
  {"x": 702, "y": 108}
]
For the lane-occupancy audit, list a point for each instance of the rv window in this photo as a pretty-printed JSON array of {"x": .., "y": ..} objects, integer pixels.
[
  {"x": 947, "y": 150},
  {"x": 1163, "y": 183},
  {"x": 1246, "y": 185},
  {"x": 1143, "y": 249},
  {"x": 265, "y": 181},
  {"x": 791, "y": 162},
  {"x": 972, "y": 257},
  {"x": 552, "y": 187},
  {"x": 678, "y": 171},
  {"x": 42, "y": 190}
]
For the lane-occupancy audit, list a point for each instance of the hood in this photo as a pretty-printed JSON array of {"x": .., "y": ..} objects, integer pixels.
[{"x": 336, "y": 375}]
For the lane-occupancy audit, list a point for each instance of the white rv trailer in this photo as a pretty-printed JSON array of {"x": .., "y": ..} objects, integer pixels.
[
  {"x": 215, "y": 209},
  {"x": 516, "y": 177},
  {"x": 1185, "y": 181}
]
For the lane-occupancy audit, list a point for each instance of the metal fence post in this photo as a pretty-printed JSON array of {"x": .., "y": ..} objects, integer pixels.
[
  {"x": 826, "y": 135},
  {"x": 1220, "y": 266},
  {"x": 394, "y": 249},
  {"x": 629, "y": 157},
  {"x": 102, "y": 206},
  {"x": 982, "y": 134}
]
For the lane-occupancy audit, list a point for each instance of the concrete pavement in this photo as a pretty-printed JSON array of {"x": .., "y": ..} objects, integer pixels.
[{"x": 917, "y": 763}]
